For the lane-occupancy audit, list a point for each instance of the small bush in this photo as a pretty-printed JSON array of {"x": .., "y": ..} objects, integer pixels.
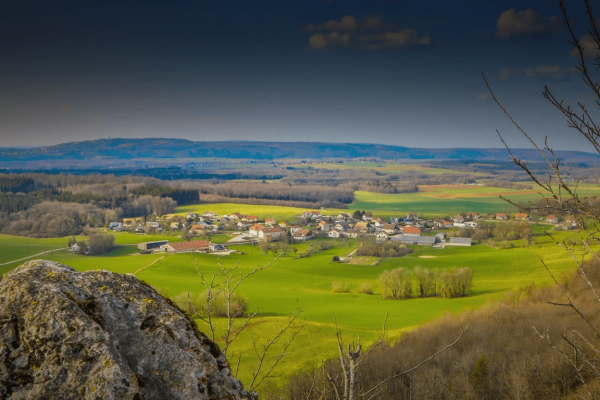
[
  {"x": 365, "y": 287},
  {"x": 339, "y": 287},
  {"x": 336, "y": 258},
  {"x": 218, "y": 305}
]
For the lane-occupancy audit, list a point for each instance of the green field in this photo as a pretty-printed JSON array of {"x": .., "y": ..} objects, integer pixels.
[
  {"x": 274, "y": 292},
  {"x": 384, "y": 167},
  {"x": 448, "y": 200}
]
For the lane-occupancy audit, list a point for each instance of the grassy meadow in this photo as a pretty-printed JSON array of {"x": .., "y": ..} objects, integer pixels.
[
  {"x": 451, "y": 199},
  {"x": 275, "y": 291}
]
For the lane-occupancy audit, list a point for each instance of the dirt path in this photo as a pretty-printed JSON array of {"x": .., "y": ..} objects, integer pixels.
[
  {"x": 35, "y": 255},
  {"x": 153, "y": 262}
]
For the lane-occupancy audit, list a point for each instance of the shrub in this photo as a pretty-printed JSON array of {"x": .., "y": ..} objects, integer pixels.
[
  {"x": 365, "y": 287},
  {"x": 336, "y": 258},
  {"x": 218, "y": 304},
  {"x": 339, "y": 287}
]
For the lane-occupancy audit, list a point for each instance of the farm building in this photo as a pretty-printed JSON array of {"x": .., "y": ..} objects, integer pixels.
[
  {"x": 457, "y": 241},
  {"x": 181, "y": 247},
  {"x": 152, "y": 246},
  {"x": 412, "y": 239}
]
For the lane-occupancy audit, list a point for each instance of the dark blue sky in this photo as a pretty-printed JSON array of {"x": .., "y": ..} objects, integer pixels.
[{"x": 396, "y": 72}]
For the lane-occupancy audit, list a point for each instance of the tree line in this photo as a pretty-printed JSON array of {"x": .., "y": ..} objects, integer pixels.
[
  {"x": 370, "y": 247},
  {"x": 402, "y": 283}
]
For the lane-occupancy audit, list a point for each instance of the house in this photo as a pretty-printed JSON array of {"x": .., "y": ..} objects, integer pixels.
[
  {"x": 241, "y": 225},
  {"x": 411, "y": 230},
  {"x": 335, "y": 234},
  {"x": 457, "y": 241},
  {"x": 303, "y": 234},
  {"x": 552, "y": 219},
  {"x": 75, "y": 248},
  {"x": 115, "y": 226},
  {"x": 521, "y": 216},
  {"x": 353, "y": 233},
  {"x": 181, "y": 247},
  {"x": 139, "y": 229},
  {"x": 362, "y": 226},
  {"x": 216, "y": 247},
  {"x": 197, "y": 228},
  {"x": 390, "y": 228},
  {"x": 254, "y": 229},
  {"x": 270, "y": 221},
  {"x": 235, "y": 216},
  {"x": 458, "y": 218},
  {"x": 412, "y": 215},
  {"x": 473, "y": 215},
  {"x": 324, "y": 226},
  {"x": 251, "y": 218},
  {"x": 209, "y": 214},
  {"x": 152, "y": 246},
  {"x": 191, "y": 215},
  {"x": 341, "y": 225},
  {"x": 294, "y": 229},
  {"x": 412, "y": 239},
  {"x": 378, "y": 222},
  {"x": 155, "y": 225},
  {"x": 285, "y": 224},
  {"x": 174, "y": 226},
  {"x": 272, "y": 233},
  {"x": 383, "y": 235},
  {"x": 501, "y": 216}
]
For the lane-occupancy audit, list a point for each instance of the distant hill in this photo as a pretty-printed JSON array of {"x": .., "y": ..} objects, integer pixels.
[{"x": 174, "y": 149}]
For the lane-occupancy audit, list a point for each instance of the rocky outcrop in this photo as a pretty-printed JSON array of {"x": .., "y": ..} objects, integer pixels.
[{"x": 66, "y": 334}]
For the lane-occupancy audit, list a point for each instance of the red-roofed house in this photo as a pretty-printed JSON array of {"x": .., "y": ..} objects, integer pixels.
[
  {"x": 521, "y": 216},
  {"x": 390, "y": 228},
  {"x": 411, "y": 230},
  {"x": 270, "y": 233},
  {"x": 254, "y": 229},
  {"x": 303, "y": 234},
  {"x": 552, "y": 219},
  {"x": 501, "y": 216}
]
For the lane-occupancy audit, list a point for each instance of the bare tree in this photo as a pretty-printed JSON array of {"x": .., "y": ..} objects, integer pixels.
[
  {"x": 352, "y": 357},
  {"x": 559, "y": 194},
  {"x": 224, "y": 285}
]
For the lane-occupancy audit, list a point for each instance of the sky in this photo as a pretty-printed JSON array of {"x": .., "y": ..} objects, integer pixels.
[{"x": 398, "y": 72}]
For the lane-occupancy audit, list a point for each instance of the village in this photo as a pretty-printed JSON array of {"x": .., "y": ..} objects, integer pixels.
[{"x": 196, "y": 229}]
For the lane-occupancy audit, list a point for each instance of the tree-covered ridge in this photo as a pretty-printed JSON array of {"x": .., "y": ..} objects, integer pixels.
[{"x": 181, "y": 196}]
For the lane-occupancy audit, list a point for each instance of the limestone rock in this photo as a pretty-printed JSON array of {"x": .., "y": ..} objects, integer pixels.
[{"x": 66, "y": 334}]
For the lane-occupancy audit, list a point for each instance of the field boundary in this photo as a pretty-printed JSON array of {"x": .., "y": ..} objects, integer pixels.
[{"x": 35, "y": 255}]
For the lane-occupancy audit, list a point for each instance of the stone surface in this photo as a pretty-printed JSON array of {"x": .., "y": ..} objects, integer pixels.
[{"x": 66, "y": 334}]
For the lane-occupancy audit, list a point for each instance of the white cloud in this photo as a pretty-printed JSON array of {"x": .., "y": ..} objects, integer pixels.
[
  {"x": 334, "y": 39},
  {"x": 347, "y": 23},
  {"x": 528, "y": 22},
  {"x": 541, "y": 71},
  {"x": 400, "y": 39},
  {"x": 589, "y": 45},
  {"x": 545, "y": 72}
]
